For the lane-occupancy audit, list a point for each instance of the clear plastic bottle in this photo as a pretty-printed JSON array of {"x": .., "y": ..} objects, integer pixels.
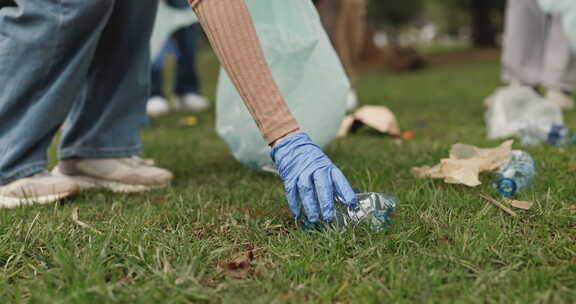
[
  {"x": 373, "y": 208},
  {"x": 556, "y": 135},
  {"x": 515, "y": 175},
  {"x": 561, "y": 135}
]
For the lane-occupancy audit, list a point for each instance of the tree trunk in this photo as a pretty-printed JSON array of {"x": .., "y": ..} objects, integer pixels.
[{"x": 483, "y": 28}]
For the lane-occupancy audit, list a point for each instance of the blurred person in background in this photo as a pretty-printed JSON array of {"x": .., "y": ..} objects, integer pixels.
[
  {"x": 345, "y": 23},
  {"x": 538, "y": 53},
  {"x": 87, "y": 62},
  {"x": 184, "y": 45}
]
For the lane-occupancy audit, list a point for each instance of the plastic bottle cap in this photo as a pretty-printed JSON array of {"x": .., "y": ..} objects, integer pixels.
[{"x": 507, "y": 187}]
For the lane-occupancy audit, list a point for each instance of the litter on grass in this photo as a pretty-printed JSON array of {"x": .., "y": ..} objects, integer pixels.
[
  {"x": 374, "y": 209},
  {"x": 188, "y": 121},
  {"x": 513, "y": 109},
  {"x": 514, "y": 203},
  {"x": 379, "y": 118},
  {"x": 465, "y": 164},
  {"x": 515, "y": 175},
  {"x": 556, "y": 135}
]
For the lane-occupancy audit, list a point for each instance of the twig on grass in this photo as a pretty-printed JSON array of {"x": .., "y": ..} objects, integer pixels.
[
  {"x": 497, "y": 204},
  {"x": 80, "y": 223}
]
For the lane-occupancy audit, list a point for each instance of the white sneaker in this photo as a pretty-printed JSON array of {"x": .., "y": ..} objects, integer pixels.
[
  {"x": 42, "y": 188},
  {"x": 193, "y": 102},
  {"x": 124, "y": 175},
  {"x": 564, "y": 100},
  {"x": 157, "y": 106}
]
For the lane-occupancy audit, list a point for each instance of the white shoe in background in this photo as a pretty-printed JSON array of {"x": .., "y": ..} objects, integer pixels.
[
  {"x": 193, "y": 102},
  {"x": 157, "y": 106},
  {"x": 564, "y": 100}
]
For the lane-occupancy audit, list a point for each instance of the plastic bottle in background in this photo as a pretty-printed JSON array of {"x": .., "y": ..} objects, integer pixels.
[
  {"x": 515, "y": 175},
  {"x": 556, "y": 135},
  {"x": 561, "y": 135},
  {"x": 374, "y": 209}
]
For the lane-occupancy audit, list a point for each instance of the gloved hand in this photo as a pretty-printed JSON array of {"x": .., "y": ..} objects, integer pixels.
[{"x": 310, "y": 178}]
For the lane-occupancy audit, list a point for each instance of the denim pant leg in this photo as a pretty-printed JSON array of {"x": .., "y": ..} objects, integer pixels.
[
  {"x": 187, "y": 42},
  {"x": 106, "y": 119},
  {"x": 156, "y": 85},
  {"x": 46, "y": 48}
]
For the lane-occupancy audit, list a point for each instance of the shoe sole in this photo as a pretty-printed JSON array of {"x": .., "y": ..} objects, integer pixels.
[
  {"x": 88, "y": 182},
  {"x": 11, "y": 202}
]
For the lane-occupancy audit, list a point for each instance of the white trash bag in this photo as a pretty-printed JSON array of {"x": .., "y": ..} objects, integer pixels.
[
  {"x": 307, "y": 70},
  {"x": 517, "y": 108}
]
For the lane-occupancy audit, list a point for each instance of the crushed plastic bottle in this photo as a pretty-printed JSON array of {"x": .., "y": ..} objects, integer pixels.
[
  {"x": 374, "y": 209},
  {"x": 556, "y": 135},
  {"x": 515, "y": 175}
]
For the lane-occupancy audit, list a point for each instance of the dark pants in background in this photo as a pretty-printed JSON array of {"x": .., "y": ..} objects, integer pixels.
[{"x": 185, "y": 41}]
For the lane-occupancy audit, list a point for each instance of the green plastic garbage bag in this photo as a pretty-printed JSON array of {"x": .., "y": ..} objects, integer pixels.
[
  {"x": 307, "y": 70},
  {"x": 567, "y": 9}
]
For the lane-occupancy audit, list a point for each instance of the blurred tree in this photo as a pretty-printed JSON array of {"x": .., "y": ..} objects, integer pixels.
[
  {"x": 485, "y": 17},
  {"x": 391, "y": 15}
]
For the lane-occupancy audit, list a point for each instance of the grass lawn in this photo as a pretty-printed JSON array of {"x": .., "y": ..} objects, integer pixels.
[{"x": 176, "y": 245}]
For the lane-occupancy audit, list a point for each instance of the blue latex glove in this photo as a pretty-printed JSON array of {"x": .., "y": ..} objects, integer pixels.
[{"x": 310, "y": 178}]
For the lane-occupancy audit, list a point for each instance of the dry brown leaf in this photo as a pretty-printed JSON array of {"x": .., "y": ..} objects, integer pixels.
[
  {"x": 379, "y": 118},
  {"x": 524, "y": 205},
  {"x": 240, "y": 266},
  {"x": 347, "y": 124}
]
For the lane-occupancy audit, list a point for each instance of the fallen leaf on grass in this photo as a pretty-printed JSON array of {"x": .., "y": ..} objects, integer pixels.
[
  {"x": 379, "y": 118},
  {"x": 520, "y": 204},
  {"x": 240, "y": 266},
  {"x": 76, "y": 220}
]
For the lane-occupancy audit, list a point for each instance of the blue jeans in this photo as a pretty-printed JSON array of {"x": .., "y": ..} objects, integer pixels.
[
  {"x": 185, "y": 41},
  {"x": 80, "y": 64}
]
